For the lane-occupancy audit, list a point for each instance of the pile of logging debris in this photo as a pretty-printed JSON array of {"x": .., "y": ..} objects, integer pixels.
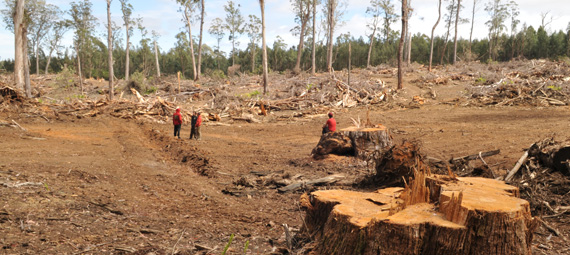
[
  {"x": 542, "y": 84},
  {"x": 543, "y": 176},
  {"x": 306, "y": 93}
]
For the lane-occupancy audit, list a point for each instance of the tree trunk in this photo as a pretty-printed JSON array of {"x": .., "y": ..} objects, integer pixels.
[
  {"x": 27, "y": 83},
  {"x": 313, "y": 54},
  {"x": 110, "y": 50},
  {"x": 304, "y": 20},
  {"x": 252, "y": 57},
  {"x": 331, "y": 23},
  {"x": 48, "y": 61},
  {"x": 409, "y": 49},
  {"x": 401, "y": 45},
  {"x": 37, "y": 53},
  {"x": 19, "y": 54},
  {"x": 432, "y": 31},
  {"x": 349, "y": 63},
  {"x": 127, "y": 50},
  {"x": 199, "y": 67},
  {"x": 472, "y": 24},
  {"x": 79, "y": 67},
  {"x": 370, "y": 47},
  {"x": 264, "y": 46},
  {"x": 297, "y": 68},
  {"x": 474, "y": 216},
  {"x": 191, "y": 44},
  {"x": 490, "y": 46},
  {"x": 156, "y": 59},
  {"x": 455, "y": 40}
]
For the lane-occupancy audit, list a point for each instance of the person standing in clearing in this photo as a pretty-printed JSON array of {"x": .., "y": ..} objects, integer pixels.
[
  {"x": 198, "y": 124},
  {"x": 177, "y": 121},
  {"x": 193, "y": 125},
  {"x": 330, "y": 126}
]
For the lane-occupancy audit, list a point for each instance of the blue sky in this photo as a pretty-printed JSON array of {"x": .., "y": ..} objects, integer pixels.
[{"x": 163, "y": 17}]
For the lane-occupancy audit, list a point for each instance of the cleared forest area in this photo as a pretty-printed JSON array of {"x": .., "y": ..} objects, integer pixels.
[{"x": 80, "y": 174}]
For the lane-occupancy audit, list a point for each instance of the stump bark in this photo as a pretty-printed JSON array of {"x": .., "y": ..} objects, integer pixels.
[
  {"x": 468, "y": 215},
  {"x": 368, "y": 140}
]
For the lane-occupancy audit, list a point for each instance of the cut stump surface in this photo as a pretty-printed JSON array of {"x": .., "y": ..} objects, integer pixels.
[{"x": 473, "y": 216}]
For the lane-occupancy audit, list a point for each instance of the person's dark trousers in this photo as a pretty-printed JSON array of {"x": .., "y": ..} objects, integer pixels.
[
  {"x": 192, "y": 132},
  {"x": 177, "y": 130}
]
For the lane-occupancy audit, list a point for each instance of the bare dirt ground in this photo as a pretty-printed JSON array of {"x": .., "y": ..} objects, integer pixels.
[{"x": 106, "y": 185}]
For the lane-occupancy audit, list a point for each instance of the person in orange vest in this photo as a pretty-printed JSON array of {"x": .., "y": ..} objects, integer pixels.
[
  {"x": 198, "y": 134},
  {"x": 177, "y": 121},
  {"x": 330, "y": 126}
]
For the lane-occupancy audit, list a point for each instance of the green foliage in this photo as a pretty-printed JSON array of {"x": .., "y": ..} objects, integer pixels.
[
  {"x": 65, "y": 78},
  {"x": 216, "y": 74},
  {"x": 310, "y": 86},
  {"x": 246, "y": 247},
  {"x": 480, "y": 81},
  {"x": 555, "y": 88},
  {"x": 150, "y": 90},
  {"x": 228, "y": 245},
  {"x": 253, "y": 94}
]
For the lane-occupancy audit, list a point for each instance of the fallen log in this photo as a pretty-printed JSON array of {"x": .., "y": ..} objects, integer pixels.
[
  {"x": 518, "y": 165},
  {"x": 303, "y": 184},
  {"x": 476, "y": 156}
]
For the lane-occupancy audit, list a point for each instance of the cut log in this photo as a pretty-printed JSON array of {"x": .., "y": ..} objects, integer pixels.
[
  {"x": 303, "y": 184},
  {"x": 367, "y": 141},
  {"x": 138, "y": 95},
  {"x": 475, "y": 216}
]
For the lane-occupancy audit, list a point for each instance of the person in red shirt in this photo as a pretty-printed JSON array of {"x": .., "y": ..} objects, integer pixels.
[
  {"x": 330, "y": 126},
  {"x": 177, "y": 121},
  {"x": 198, "y": 124}
]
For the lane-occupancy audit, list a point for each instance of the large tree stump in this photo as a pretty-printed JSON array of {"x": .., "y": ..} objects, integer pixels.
[
  {"x": 368, "y": 140},
  {"x": 472, "y": 216},
  {"x": 359, "y": 142}
]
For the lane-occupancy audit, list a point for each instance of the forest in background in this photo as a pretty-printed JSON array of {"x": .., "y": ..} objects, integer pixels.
[{"x": 48, "y": 24}]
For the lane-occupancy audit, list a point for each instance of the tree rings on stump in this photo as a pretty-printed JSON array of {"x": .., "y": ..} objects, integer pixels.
[{"x": 468, "y": 215}]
